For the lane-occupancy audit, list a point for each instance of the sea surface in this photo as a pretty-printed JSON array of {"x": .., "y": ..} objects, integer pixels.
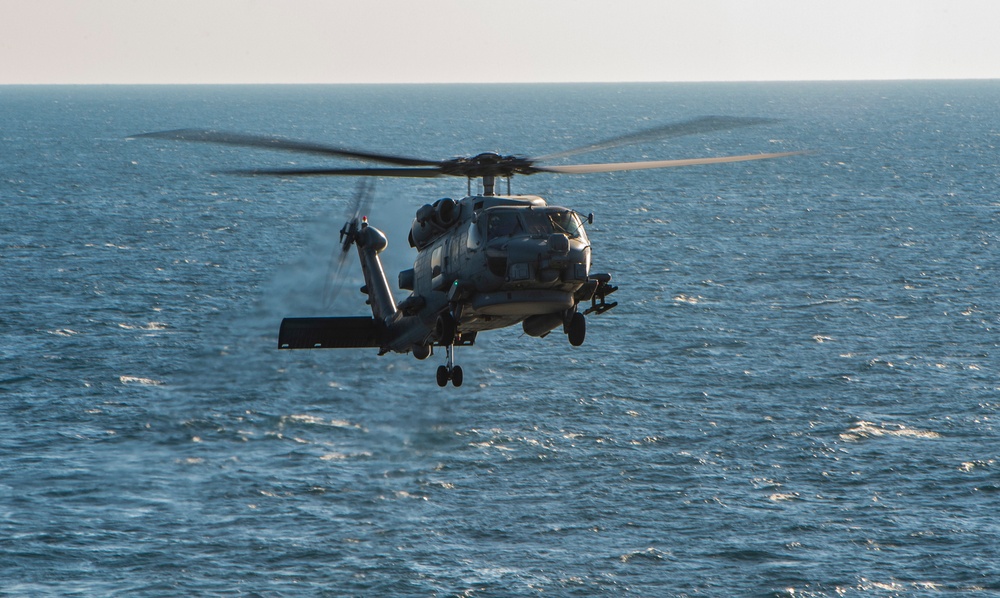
[{"x": 797, "y": 395}]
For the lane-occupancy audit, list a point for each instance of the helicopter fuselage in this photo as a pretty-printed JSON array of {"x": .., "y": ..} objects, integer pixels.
[
  {"x": 483, "y": 262},
  {"x": 495, "y": 261}
]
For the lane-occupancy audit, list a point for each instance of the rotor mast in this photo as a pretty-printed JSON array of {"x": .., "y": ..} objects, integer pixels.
[{"x": 489, "y": 185}]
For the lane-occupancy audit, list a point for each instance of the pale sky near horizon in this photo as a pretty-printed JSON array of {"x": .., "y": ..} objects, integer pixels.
[{"x": 432, "y": 41}]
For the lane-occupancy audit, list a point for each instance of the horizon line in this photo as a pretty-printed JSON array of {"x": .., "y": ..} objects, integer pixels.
[{"x": 414, "y": 83}]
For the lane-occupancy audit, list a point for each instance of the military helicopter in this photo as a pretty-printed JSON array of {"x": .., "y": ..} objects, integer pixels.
[{"x": 484, "y": 262}]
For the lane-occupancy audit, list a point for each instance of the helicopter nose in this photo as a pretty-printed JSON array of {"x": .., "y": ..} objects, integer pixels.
[
  {"x": 554, "y": 247},
  {"x": 547, "y": 260}
]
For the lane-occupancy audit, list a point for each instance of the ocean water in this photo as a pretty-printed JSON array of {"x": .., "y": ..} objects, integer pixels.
[{"x": 795, "y": 397}]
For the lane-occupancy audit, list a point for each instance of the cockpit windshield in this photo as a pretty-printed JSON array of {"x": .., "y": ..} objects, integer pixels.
[
  {"x": 568, "y": 223},
  {"x": 502, "y": 223},
  {"x": 533, "y": 222}
]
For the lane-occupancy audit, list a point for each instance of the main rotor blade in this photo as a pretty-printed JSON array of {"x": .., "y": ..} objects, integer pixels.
[
  {"x": 620, "y": 166},
  {"x": 278, "y": 143},
  {"x": 705, "y": 124},
  {"x": 387, "y": 172}
]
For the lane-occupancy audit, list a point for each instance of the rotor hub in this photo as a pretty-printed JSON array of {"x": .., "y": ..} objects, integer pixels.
[{"x": 488, "y": 164}]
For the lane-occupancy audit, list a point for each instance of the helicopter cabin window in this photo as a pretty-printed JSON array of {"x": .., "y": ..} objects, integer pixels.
[{"x": 436, "y": 261}]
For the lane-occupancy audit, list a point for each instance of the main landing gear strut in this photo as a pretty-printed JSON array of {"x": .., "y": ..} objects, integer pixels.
[{"x": 446, "y": 332}]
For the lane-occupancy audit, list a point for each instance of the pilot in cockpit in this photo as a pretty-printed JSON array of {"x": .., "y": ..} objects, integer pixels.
[{"x": 501, "y": 224}]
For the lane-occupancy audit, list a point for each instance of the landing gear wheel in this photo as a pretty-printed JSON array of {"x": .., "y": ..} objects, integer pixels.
[
  {"x": 577, "y": 329},
  {"x": 451, "y": 371}
]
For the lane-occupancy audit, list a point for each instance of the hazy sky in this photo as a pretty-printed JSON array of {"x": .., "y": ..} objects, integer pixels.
[{"x": 314, "y": 41}]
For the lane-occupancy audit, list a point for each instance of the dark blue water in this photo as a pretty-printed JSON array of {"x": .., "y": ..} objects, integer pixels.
[{"x": 795, "y": 396}]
